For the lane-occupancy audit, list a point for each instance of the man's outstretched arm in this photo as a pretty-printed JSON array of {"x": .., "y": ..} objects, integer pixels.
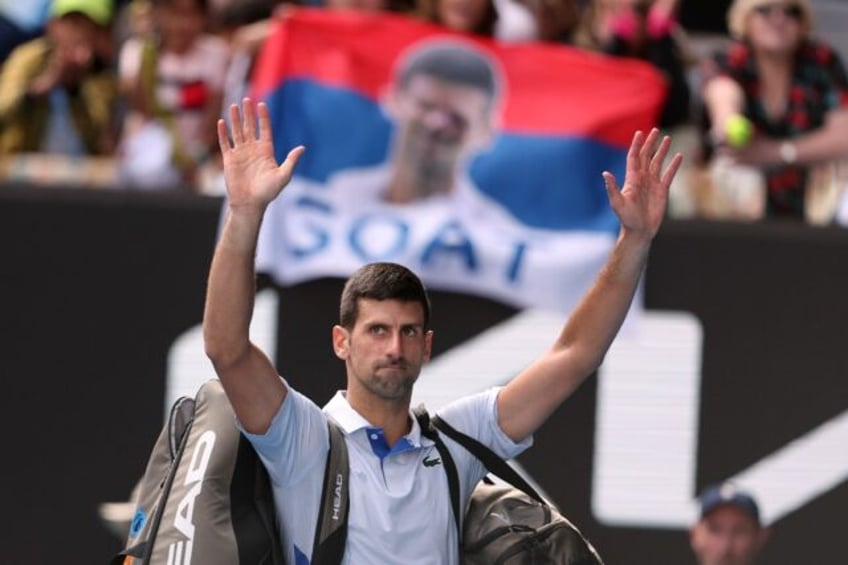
[
  {"x": 527, "y": 401},
  {"x": 253, "y": 181}
]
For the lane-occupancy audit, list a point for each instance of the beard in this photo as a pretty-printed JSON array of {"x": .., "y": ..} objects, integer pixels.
[{"x": 391, "y": 380}]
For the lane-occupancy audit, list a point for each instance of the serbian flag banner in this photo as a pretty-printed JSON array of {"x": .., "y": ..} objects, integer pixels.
[{"x": 477, "y": 164}]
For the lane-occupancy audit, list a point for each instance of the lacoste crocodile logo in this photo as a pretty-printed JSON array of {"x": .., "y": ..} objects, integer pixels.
[{"x": 431, "y": 462}]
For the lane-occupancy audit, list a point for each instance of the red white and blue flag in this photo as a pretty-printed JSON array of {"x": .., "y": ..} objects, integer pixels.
[{"x": 565, "y": 116}]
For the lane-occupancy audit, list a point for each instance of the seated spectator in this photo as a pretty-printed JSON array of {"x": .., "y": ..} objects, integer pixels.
[
  {"x": 776, "y": 100},
  {"x": 644, "y": 29},
  {"x": 174, "y": 83},
  {"x": 57, "y": 92},
  {"x": 729, "y": 530}
]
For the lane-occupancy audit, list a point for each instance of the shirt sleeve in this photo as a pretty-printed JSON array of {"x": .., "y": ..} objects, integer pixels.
[
  {"x": 477, "y": 416},
  {"x": 296, "y": 440},
  {"x": 16, "y": 74}
]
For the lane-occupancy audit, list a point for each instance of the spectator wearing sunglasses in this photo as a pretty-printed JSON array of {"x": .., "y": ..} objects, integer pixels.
[{"x": 776, "y": 99}]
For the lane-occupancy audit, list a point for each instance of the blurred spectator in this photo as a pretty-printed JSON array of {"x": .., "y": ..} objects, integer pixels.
[
  {"x": 644, "y": 29},
  {"x": 728, "y": 530},
  {"x": 554, "y": 20},
  {"x": 648, "y": 30},
  {"x": 776, "y": 101},
  {"x": 505, "y": 20},
  {"x": 244, "y": 25},
  {"x": 466, "y": 16},
  {"x": 174, "y": 82},
  {"x": 57, "y": 92},
  {"x": 138, "y": 19},
  {"x": 20, "y": 22}
]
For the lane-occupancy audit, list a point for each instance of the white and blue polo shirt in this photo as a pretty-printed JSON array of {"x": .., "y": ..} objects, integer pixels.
[{"x": 400, "y": 508}]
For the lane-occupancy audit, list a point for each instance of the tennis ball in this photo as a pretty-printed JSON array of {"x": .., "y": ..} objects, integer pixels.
[{"x": 738, "y": 131}]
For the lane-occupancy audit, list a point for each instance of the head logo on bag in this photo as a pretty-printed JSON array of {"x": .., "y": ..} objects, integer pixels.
[
  {"x": 181, "y": 550},
  {"x": 337, "y": 497}
]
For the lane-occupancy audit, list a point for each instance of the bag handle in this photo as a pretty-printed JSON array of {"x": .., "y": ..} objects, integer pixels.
[
  {"x": 428, "y": 431},
  {"x": 494, "y": 463}
]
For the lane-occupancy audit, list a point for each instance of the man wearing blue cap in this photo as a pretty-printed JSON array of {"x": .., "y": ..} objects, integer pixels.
[{"x": 729, "y": 530}]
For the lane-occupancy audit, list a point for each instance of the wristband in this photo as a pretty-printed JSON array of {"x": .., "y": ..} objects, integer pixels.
[{"x": 788, "y": 153}]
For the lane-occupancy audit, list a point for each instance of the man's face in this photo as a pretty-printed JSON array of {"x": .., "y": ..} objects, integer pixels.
[
  {"x": 727, "y": 536},
  {"x": 385, "y": 349},
  {"x": 438, "y": 121},
  {"x": 73, "y": 38}
]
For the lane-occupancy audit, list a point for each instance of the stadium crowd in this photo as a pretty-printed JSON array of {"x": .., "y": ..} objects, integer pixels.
[{"x": 127, "y": 92}]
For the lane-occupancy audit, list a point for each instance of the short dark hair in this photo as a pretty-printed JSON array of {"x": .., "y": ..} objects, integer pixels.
[
  {"x": 381, "y": 281},
  {"x": 453, "y": 62}
]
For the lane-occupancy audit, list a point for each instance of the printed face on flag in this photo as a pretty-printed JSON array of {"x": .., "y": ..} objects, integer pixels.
[
  {"x": 438, "y": 123},
  {"x": 441, "y": 101}
]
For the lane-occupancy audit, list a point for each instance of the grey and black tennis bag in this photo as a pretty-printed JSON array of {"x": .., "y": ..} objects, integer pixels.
[{"x": 205, "y": 497}]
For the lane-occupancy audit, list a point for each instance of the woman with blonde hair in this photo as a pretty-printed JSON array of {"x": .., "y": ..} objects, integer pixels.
[{"x": 776, "y": 99}]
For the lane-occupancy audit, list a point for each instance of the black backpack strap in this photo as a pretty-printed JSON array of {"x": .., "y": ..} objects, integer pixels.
[
  {"x": 492, "y": 461},
  {"x": 428, "y": 431},
  {"x": 180, "y": 421},
  {"x": 252, "y": 497},
  {"x": 331, "y": 530}
]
